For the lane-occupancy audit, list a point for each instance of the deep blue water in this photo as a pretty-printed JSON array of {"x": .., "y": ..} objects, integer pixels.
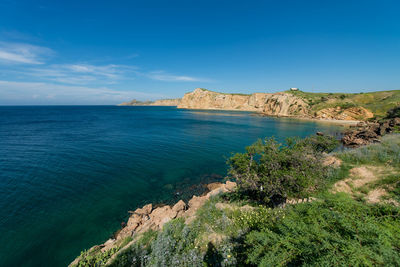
[{"x": 69, "y": 174}]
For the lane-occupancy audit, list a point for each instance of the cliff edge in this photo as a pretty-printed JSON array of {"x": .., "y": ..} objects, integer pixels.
[
  {"x": 276, "y": 104},
  {"x": 321, "y": 106}
]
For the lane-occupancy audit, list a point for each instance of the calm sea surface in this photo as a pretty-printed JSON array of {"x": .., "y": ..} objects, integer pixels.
[{"x": 69, "y": 174}]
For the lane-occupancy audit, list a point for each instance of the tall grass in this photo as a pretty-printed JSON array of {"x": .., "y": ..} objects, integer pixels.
[{"x": 386, "y": 152}]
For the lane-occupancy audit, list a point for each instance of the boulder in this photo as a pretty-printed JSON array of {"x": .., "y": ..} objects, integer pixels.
[
  {"x": 196, "y": 202},
  {"x": 179, "y": 208},
  {"x": 213, "y": 186},
  {"x": 162, "y": 215},
  {"x": 145, "y": 210}
]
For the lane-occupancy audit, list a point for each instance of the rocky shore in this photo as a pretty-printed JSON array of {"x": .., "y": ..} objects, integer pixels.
[
  {"x": 365, "y": 133},
  {"x": 154, "y": 218}
]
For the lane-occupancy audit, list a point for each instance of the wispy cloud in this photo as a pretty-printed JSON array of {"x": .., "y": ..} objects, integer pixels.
[
  {"x": 162, "y": 76},
  {"x": 39, "y": 92},
  {"x": 83, "y": 73},
  {"x": 19, "y": 53},
  {"x": 27, "y": 76}
]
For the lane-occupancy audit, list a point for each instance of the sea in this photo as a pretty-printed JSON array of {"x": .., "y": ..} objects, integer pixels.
[{"x": 70, "y": 174}]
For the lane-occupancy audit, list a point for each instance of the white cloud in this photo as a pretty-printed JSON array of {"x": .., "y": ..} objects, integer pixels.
[
  {"x": 18, "y": 53},
  {"x": 162, "y": 76},
  {"x": 82, "y": 73},
  {"x": 38, "y": 92}
]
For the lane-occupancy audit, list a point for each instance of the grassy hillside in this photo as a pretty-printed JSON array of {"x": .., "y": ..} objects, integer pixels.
[
  {"x": 377, "y": 102},
  {"x": 344, "y": 223}
]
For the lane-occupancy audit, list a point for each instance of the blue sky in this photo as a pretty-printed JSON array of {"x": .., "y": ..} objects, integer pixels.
[{"x": 106, "y": 52}]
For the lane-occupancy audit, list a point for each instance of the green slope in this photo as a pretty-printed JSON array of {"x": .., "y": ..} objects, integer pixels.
[{"x": 377, "y": 102}]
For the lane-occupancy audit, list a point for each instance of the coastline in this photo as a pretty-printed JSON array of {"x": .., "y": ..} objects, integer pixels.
[
  {"x": 151, "y": 218},
  {"x": 257, "y": 113}
]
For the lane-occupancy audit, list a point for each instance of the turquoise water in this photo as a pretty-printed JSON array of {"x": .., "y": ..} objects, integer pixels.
[{"x": 69, "y": 174}]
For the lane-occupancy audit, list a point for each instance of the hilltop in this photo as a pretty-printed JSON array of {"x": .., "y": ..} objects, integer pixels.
[{"x": 378, "y": 103}]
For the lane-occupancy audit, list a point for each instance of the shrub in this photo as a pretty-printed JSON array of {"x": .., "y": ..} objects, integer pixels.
[
  {"x": 175, "y": 246},
  {"x": 95, "y": 258},
  {"x": 338, "y": 231},
  {"x": 138, "y": 253},
  {"x": 319, "y": 143},
  {"x": 270, "y": 172},
  {"x": 347, "y": 105}
]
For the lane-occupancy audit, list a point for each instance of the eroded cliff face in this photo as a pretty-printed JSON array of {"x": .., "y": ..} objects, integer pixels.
[
  {"x": 277, "y": 104},
  {"x": 353, "y": 113}
]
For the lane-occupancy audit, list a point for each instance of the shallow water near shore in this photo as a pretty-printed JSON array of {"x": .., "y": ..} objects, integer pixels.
[{"x": 69, "y": 174}]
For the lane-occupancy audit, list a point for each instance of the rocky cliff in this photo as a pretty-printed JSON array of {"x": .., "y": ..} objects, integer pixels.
[
  {"x": 322, "y": 106},
  {"x": 277, "y": 104}
]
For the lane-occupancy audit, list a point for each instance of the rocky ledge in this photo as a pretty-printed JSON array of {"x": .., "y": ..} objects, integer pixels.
[
  {"x": 150, "y": 218},
  {"x": 369, "y": 132}
]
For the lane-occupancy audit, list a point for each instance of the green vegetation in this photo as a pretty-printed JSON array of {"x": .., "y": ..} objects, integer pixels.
[
  {"x": 271, "y": 172},
  {"x": 386, "y": 153},
  {"x": 377, "y": 102},
  {"x": 95, "y": 257},
  {"x": 337, "y": 231},
  {"x": 243, "y": 228}
]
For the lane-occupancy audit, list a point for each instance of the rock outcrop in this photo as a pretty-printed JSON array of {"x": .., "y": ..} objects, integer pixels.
[
  {"x": 350, "y": 114},
  {"x": 282, "y": 104},
  {"x": 277, "y": 104},
  {"x": 369, "y": 133},
  {"x": 150, "y": 218}
]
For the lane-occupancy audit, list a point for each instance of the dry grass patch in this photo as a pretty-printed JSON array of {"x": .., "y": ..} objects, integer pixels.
[{"x": 364, "y": 181}]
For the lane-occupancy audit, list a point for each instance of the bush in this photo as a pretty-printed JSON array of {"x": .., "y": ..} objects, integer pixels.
[
  {"x": 175, "y": 246},
  {"x": 138, "y": 253},
  {"x": 347, "y": 105},
  {"x": 319, "y": 143},
  {"x": 338, "y": 231},
  {"x": 95, "y": 258},
  {"x": 270, "y": 172}
]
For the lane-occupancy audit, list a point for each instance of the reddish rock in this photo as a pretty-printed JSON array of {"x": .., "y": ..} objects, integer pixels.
[{"x": 145, "y": 210}]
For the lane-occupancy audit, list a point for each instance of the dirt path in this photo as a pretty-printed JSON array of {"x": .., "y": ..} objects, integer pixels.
[{"x": 364, "y": 176}]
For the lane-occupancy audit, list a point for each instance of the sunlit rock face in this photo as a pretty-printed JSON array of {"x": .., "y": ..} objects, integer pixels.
[{"x": 277, "y": 104}]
